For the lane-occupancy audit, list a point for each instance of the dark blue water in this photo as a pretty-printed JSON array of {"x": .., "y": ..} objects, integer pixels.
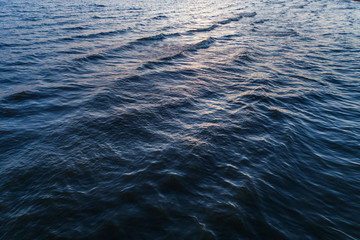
[{"x": 179, "y": 119}]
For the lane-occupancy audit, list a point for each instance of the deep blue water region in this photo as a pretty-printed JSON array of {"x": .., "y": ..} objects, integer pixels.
[{"x": 179, "y": 119}]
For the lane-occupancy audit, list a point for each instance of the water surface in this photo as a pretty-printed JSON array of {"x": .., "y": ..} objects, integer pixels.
[{"x": 175, "y": 119}]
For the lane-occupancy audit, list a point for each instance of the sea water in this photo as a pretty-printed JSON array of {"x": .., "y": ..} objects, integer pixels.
[{"x": 179, "y": 119}]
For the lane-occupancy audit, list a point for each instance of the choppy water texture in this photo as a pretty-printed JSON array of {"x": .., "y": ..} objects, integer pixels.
[{"x": 169, "y": 119}]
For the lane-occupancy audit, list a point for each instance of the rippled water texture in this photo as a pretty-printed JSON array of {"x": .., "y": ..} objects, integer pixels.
[{"x": 171, "y": 119}]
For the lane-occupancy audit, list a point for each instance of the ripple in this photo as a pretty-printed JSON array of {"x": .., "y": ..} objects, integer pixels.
[{"x": 178, "y": 121}]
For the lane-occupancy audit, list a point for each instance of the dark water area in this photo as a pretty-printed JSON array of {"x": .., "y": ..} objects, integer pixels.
[{"x": 175, "y": 119}]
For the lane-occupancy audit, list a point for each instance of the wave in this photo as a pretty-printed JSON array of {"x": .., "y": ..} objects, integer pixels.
[
  {"x": 71, "y": 38},
  {"x": 95, "y": 35},
  {"x": 223, "y": 22},
  {"x": 159, "y": 17},
  {"x": 99, "y": 5},
  {"x": 157, "y": 37},
  {"x": 111, "y": 52},
  {"x": 76, "y": 28},
  {"x": 135, "y": 9},
  {"x": 5, "y": 45},
  {"x": 238, "y": 17},
  {"x": 167, "y": 60},
  {"x": 247, "y": 56},
  {"x": 277, "y": 33},
  {"x": 201, "y": 45},
  {"x": 261, "y": 21},
  {"x": 42, "y": 93},
  {"x": 207, "y": 29},
  {"x": 107, "y": 53},
  {"x": 40, "y": 100},
  {"x": 285, "y": 33},
  {"x": 247, "y": 14},
  {"x": 93, "y": 57},
  {"x": 160, "y": 36},
  {"x": 163, "y": 61}
]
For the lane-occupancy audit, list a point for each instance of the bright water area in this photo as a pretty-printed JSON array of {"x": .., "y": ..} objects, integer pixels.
[{"x": 179, "y": 119}]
